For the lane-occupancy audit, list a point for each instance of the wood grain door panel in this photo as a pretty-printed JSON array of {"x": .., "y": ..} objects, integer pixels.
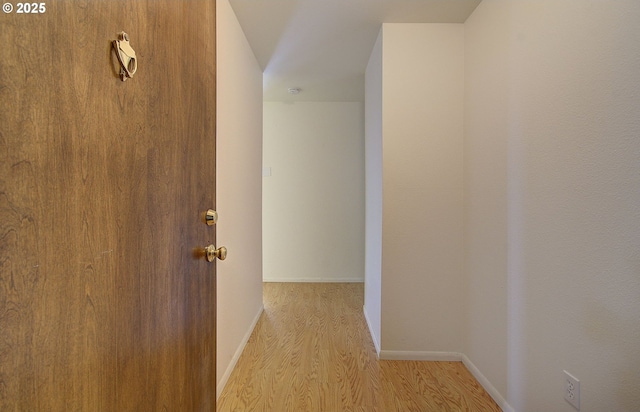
[{"x": 103, "y": 303}]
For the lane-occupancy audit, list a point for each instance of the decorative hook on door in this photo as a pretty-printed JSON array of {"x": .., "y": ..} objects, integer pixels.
[{"x": 126, "y": 56}]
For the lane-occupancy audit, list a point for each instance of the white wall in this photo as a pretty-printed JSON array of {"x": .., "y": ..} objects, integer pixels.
[
  {"x": 423, "y": 307},
  {"x": 552, "y": 151},
  {"x": 239, "y": 188},
  {"x": 551, "y": 276},
  {"x": 486, "y": 213},
  {"x": 313, "y": 202},
  {"x": 373, "y": 192}
]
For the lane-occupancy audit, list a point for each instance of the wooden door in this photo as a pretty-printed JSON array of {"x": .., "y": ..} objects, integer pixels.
[{"x": 105, "y": 304}]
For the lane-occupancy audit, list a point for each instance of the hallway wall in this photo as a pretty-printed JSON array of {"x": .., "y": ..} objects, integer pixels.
[
  {"x": 552, "y": 188},
  {"x": 415, "y": 84},
  {"x": 239, "y": 188},
  {"x": 373, "y": 192},
  {"x": 485, "y": 177},
  {"x": 549, "y": 194},
  {"x": 313, "y": 199}
]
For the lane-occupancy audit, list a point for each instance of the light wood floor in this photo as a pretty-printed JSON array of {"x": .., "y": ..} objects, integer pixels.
[{"x": 311, "y": 351}]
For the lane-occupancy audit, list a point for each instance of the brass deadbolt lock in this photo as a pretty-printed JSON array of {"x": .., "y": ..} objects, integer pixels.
[{"x": 211, "y": 217}]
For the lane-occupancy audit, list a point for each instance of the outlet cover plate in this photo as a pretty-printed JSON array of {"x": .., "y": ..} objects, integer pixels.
[{"x": 572, "y": 390}]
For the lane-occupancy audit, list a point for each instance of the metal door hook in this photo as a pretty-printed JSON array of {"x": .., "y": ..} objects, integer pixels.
[{"x": 126, "y": 56}]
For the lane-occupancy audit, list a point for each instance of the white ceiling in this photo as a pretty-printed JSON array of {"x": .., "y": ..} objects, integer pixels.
[{"x": 323, "y": 46}]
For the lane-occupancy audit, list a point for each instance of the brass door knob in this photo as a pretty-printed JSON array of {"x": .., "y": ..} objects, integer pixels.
[
  {"x": 211, "y": 217},
  {"x": 212, "y": 253}
]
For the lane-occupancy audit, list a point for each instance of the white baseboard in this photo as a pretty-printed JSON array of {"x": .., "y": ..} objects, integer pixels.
[
  {"x": 491, "y": 390},
  {"x": 236, "y": 356},
  {"x": 374, "y": 338},
  {"x": 420, "y": 356},
  {"x": 312, "y": 280},
  {"x": 450, "y": 356}
]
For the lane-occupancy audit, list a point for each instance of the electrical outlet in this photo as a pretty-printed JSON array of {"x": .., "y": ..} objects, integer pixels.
[{"x": 572, "y": 390}]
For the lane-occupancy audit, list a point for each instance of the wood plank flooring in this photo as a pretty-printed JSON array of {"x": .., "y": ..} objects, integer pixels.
[{"x": 311, "y": 351}]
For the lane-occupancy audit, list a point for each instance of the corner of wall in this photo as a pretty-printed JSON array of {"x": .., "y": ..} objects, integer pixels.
[
  {"x": 374, "y": 337},
  {"x": 222, "y": 382},
  {"x": 486, "y": 384}
]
